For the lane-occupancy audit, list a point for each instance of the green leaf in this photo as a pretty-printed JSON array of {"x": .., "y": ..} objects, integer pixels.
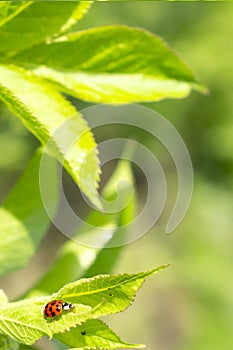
[
  {"x": 75, "y": 260},
  {"x": 23, "y": 322},
  {"x": 112, "y": 64},
  {"x": 23, "y": 219},
  {"x": 26, "y": 23},
  {"x": 93, "y": 297},
  {"x": 80, "y": 314},
  {"x": 106, "y": 294},
  {"x": 93, "y": 334},
  {"x": 44, "y": 111}
]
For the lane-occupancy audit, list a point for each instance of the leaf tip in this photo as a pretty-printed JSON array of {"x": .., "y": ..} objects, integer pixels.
[
  {"x": 156, "y": 269},
  {"x": 138, "y": 346},
  {"x": 200, "y": 87}
]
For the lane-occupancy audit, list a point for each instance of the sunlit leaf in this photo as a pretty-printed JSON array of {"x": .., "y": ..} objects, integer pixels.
[
  {"x": 106, "y": 294},
  {"x": 112, "y": 64},
  {"x": 44, "y": 111},
  {"x": 93, "y": 297},
  {"x": 94, "y": 334},
  {"x": 22, "y": 322}
]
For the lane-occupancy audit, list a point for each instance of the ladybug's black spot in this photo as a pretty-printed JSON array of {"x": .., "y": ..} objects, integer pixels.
[
  {"x": 58, "y": 309},
  {"x": 53, "y": 314},
  {"x": 50, "y": 309},
  {"x": 83, "y": 332},
  {"x": 53, "y": 302}
]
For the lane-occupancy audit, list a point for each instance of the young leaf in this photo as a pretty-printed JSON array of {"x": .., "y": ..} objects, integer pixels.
[
  {"x": 20, "y": 322},
  {"x": 112, "y": 64},
  {"x": 94, "y": 334},
  {"x": 93, "y": 297},
  {"x": 43, "y": 111},
  {"x": 24, "y": 320},
  {"x": 80, "y": 314},
  {"x": 23, "y": 219},
  {"x": 106, "y": 294},
  {"x": 25, "y": 23}
]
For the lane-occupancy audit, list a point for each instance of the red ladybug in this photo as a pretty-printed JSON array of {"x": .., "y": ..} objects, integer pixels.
[{"x": 55, "y": 307}]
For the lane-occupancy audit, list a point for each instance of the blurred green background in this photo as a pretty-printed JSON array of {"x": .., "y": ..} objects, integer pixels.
[{"x": 190, "y": 305}]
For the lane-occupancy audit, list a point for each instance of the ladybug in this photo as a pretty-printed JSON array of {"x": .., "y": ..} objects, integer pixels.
[{"x": 55, "y": 307}]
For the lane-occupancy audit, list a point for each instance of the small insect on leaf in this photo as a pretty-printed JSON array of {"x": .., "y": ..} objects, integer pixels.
[{"x": 55, "y": 307}]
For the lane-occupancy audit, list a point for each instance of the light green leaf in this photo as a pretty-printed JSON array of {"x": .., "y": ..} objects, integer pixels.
[
  {"x": 93, "y": 297},
  {"x": 75, "y": 260},
  {"x": 23, "y": 322},
  {"x": 23, "y": 219},
  {"x": 80, "y": 314},
  {"x": 26, "y": 23},
  {"x": 93, "y": 334},
  {"x": 106, "y": 294},
  {"x": 44, "y": 112},
  {"x": 112, "y": 64}
]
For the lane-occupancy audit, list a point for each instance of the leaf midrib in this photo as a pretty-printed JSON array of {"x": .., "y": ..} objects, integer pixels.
[{"x": 143, "y": 276}]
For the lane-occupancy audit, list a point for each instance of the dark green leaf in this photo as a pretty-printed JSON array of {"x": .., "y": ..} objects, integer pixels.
[{"x": 26, "y": 23}]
